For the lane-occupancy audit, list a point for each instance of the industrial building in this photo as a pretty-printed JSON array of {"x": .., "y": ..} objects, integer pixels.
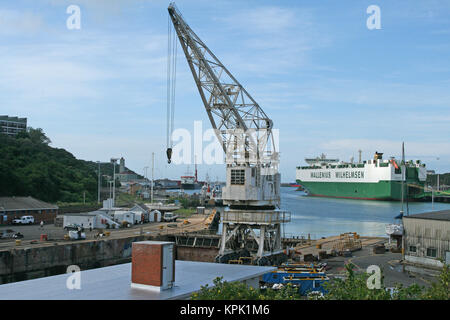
[
  {"x": 94, "y": 219},
  {"x": 138, "y": 280},
  {"x": 16, "y": 207},
  {"x": 12, "y": 125},
  {"x": 427, "y": 241},
  {"x": 125, "y": 175}
]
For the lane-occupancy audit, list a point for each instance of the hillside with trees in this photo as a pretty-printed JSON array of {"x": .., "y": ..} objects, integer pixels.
[
  {"x": 30, "y": 167},
  {"x": 444, "y": 180}
]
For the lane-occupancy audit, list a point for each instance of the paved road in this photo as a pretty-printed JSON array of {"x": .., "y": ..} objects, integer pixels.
[{"x": 33, "y": 232}]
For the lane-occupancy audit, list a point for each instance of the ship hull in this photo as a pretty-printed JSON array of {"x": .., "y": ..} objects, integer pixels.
[
  {"x": 190, "y": 186},
  {"x": 382, "y": 190}
]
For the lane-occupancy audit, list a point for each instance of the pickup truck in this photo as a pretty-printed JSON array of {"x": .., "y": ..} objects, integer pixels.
[
  {"x": 169, "y": 217},
  {"x": 24, "y": 220}
]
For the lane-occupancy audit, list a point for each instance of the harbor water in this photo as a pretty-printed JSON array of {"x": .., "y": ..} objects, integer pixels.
[{"x": 323, "y": 217}]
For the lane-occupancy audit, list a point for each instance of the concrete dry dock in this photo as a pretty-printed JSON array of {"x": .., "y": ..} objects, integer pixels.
[{"x": 34, "y": 259}]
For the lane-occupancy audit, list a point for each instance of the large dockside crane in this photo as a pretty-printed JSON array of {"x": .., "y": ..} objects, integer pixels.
[{"x": 251, "y": 224}]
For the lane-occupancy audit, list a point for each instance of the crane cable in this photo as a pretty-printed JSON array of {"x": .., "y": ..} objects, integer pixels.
[{"x": 171, "y": 84}]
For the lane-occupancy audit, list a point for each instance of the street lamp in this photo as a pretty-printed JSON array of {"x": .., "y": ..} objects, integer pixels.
[
  {"x": 98, "y": 199},
  {"x": 99, "y": 178},
  {"x": 110, "y": 187},
  {"x": 114, "y": 161},
  {"x": 437, "y": 181}
]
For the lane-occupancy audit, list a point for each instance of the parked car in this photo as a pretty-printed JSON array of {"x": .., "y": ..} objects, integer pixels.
[
  {"x": 170, "y": 217},
  {"x": 77, "y": 235},
  {"x": 24, "y": 220},
  {"x": 10, "y": 234},
  {"x": 73, "y": 226}
]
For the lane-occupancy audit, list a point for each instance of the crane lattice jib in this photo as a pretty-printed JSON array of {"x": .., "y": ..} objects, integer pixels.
[{"x": 233, "y": 113}]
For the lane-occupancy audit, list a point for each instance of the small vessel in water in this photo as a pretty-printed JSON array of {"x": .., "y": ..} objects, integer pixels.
[{"x": 189, "y": 181}]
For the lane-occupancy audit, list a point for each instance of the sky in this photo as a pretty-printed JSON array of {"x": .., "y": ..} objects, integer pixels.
[{"x": 329, "y": 83}]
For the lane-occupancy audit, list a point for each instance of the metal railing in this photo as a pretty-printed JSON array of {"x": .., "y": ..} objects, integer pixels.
[{"x": 256, "y": 217}]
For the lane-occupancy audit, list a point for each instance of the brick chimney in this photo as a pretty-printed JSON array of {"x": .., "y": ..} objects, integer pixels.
[{"x": 153, "y": 265}]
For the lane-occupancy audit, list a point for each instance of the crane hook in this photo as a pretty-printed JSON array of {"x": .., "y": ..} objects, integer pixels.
[{"x": 169, "y": 155}]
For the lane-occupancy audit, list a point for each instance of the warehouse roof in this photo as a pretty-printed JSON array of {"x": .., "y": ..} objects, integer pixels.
[
  {"x": 111, "y": 283},
  {"x": 24, "y": 203},
  {"x": 433, "y": 215},
  {"x": 84, "y": 214}
]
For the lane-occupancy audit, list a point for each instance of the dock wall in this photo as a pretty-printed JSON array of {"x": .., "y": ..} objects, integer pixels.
[
  {"x": 24, "y": 263},
  {"x": 28, "y": 262}
]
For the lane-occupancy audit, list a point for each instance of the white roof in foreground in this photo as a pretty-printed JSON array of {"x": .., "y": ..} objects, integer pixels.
[{"x": 114, "y": 283}]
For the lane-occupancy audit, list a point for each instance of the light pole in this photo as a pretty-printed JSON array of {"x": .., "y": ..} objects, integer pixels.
[
  {"x": 99, "y": 178},
  {"x": 153, "y": 172},
  {"x": 114, "y": 161},
  {"x": 98, "y": 199},
  {"x": 437, "y": 181},
  {"x": 146, "y": 181},
  {"x": 110, "y": 190}
]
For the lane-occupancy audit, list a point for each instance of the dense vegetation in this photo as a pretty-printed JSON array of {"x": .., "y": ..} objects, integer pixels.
[
  {"x": 353, "y": 287},
  {"x": 30, "y": 167}
]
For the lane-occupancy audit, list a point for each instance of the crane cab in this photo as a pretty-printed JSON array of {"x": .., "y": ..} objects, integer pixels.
[{"x": 248, "y": 186}]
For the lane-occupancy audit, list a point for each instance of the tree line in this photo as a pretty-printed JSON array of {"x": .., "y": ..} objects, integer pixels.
[{"x": 30, "y": 167}]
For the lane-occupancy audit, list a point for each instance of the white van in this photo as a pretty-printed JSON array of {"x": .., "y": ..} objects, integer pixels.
[{"x": 24, "y": 220}]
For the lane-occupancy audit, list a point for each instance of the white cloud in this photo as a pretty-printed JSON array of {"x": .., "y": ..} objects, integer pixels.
[
  {"x": 263, "y": 19},
  {"x": 391, "y": 147},
  {"x": 13, "y": 22}
]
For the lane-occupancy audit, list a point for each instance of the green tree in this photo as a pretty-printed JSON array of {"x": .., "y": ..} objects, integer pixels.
[
  {"x": 352, "y": 287},
  {"x": 30, "y": 167},
  {"x": 34, "y": 135},
  {"x": 223, "y": 290},
  {"x": 439, "y": 290}
]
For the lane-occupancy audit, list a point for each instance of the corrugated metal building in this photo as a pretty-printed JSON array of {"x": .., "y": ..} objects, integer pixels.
[{"x": 427, "y": 239}]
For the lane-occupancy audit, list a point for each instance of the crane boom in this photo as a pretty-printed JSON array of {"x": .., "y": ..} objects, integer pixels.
[{"x": 232, "y": 111}]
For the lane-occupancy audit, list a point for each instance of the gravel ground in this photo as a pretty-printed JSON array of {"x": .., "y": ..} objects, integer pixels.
[{"x": 388, "y": 263}]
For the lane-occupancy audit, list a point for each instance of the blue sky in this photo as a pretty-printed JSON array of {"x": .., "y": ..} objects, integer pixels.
[{"x": 329, "y": 83}]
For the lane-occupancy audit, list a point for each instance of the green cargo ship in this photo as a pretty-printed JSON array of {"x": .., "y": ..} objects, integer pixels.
[{"x": 375, "y": 179}]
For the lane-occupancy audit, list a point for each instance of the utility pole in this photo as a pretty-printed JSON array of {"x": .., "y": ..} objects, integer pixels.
[
  {"x": 437, "y": 187},
  {"x": 153, "y": 172},
  {"x": 114, "y": 160},
  {"x": 110, "y": 189},
  {"x": 98, "y": 200},
  {"x": 401, "y": 212},
  {"x": 432, "y": 198},
  {"x": 146, "y": 179}
]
